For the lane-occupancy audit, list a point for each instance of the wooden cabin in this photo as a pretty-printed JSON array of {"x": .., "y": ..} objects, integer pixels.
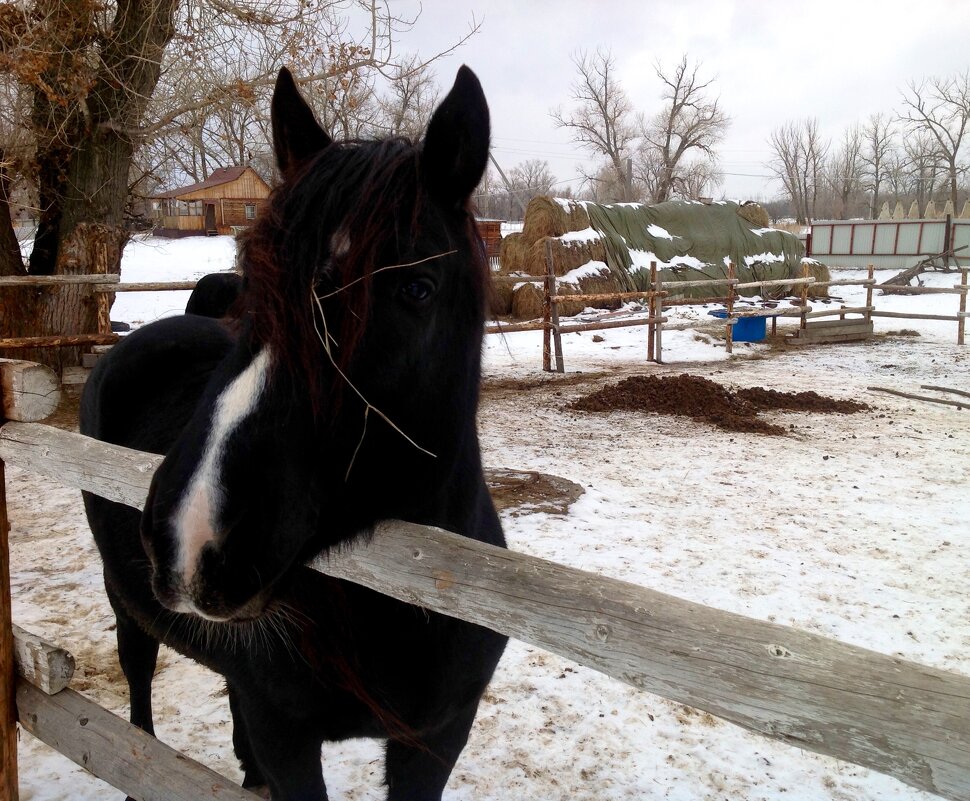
[{"x": 230, "y": 198}]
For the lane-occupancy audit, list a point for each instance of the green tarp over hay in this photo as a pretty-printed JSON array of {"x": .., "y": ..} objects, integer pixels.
[{"x": 690, "y": 241}]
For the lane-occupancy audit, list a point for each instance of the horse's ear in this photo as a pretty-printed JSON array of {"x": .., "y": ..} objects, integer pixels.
[
  {"x": 296, "y": 133},
  {"x": 456, "y": 145}
]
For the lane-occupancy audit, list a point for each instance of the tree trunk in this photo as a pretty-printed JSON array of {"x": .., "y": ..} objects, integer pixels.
[
  {"x": 84, "y": 173},
  {"x": 11, "y": 262},
  {"x": 70, "y": 309}
]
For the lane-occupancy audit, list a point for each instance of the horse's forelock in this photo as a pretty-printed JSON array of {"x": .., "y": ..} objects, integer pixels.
[{"x": 356, "y": 192}]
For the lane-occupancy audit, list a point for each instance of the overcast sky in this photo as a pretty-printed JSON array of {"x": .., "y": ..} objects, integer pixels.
[{"x": 774, "y": 62}]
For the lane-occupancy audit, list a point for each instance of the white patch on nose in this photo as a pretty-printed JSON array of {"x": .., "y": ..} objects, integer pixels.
[{"x": 196, "y": 519}]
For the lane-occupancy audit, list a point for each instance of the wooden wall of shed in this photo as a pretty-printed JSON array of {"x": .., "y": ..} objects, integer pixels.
[{"x": 491, "y": 232}]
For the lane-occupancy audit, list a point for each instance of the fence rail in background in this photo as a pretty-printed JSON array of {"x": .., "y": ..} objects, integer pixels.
[{"x": 897, "y": 717}]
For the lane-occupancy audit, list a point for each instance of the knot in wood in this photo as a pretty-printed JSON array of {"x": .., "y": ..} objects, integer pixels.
[
  {"x": 603, "y": 632},
  {"x": 779, "y": 651}
]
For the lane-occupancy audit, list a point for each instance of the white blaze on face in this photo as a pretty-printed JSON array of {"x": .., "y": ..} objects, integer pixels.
[{"x": 196, "y": 518}]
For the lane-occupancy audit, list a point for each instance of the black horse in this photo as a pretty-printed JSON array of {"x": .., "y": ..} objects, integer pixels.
[
  {"x": 346, "y": 394},
  {"x": 214, "y": 294}
]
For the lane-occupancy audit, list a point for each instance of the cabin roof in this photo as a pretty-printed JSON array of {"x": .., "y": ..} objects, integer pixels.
[{"x": 221, "y": 175}]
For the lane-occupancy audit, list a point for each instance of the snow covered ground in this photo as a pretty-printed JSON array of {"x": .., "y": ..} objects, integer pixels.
[{"x": 855, "y": 527}]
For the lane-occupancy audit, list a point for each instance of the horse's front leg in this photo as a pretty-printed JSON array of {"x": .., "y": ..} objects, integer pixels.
[
  {"x": 420, "y": 771},
  {"x": 276, "y": 748}
]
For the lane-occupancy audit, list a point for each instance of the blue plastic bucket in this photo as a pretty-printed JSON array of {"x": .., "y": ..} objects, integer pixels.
[{"x": 746, "y": 329}]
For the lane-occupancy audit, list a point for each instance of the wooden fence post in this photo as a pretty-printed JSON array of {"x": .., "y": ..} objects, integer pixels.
[
  {"x": 547, "y": 315},
  {"x": 551, "y": 292},
  {"x": 804, "y": 319},
  {"x": 962, "y": 321},
  {"x": 729, "y": 332},
  {"x": 869, "y": 286},
  {"x": 102, "y": 300},
  {"x": 651, "y": 352},
  {"x": 658, "y": 305},
  {"x": 8, "y": 681}
]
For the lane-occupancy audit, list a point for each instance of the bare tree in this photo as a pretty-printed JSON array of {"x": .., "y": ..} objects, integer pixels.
[
  {"x": 690, "y": 123},
  {"x": 406, "y": 106},
  {"x": 844, "y": 172},
  {"x": 923, "y": 166},
  {"x": 878, "y": 141},
  {"x": 101, "y": 78},
  {"x": 603, "y": 121},
  {"x": 799, "y": 158},
  {"x": 940, "y": 107}
]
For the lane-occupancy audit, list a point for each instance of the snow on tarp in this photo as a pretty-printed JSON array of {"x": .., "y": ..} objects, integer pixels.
[{"x": 689, "y": 241}]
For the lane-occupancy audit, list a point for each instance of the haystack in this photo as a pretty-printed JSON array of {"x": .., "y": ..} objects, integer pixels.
[
  {"x": 754, "y": 213},
  {"x": 512, "y": 254},
  {"x": 819, "y": 272},
  {"x": 552, "y": 217},
  {"x": 527, "y": 299}
]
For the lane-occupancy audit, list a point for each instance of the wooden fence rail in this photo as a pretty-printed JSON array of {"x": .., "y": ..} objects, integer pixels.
[
  {"x": 658, "y": 297},
  {"x": 894, "y": 716}
]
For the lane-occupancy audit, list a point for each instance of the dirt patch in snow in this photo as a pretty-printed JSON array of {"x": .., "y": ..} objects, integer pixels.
[
  {"x": 707, "y": 401},
  {"x": 525, "y": 492}
]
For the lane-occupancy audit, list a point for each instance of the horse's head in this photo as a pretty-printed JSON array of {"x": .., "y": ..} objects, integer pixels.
[{"x": 352, "y": 392}]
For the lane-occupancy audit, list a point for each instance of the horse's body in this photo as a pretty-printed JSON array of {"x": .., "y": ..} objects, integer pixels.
[
  {"x": 214, "y": 295},
  {"x": 348, "y": 395}
]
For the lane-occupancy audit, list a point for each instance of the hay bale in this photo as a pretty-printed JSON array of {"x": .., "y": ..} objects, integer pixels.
[
  {"x": 547, "y": 217},
  {"x": 567, "y": 255},
  {"x": 511, "y": 254},
  {"x": 754, "y": 213},
  {"x": 527, "y": 301},
  {"x": 819, "y": 272},
  {"x": 500, "y": 300}
]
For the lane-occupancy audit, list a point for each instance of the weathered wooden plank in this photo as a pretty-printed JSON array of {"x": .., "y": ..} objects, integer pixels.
[
  {"x": 958, "y": 404},
  {"x": 950, "y": 318},
  {"x": 922, "y": 290},
  {"x": 146, "y": 286},
  {"x": 46, "y": 666},
  {"x": 945, "y": 389},
  {"x": 897, "y": 717},
  {"x": 8, "y": 708},
  {"x": 606, "y": 296},
  {"x": 120, "y": 474},
  {"x": 28, "y": 391},
  {"x": 58, "y": 340},
  {"x": 830, "y": 312},
  {"x": 75, "y": 375},
  {"x": 117, "y": 752},
  {"x": 57, "y": 280},
  {"x": 571, "y": 328},
  {"x": 848, "y": 322},
  {"x": 776, "y": 282},
  {"x": 800, "y": 338}
]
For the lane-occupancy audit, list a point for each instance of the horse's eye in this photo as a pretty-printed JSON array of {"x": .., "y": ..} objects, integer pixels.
[{"x": 419, "y": 290}]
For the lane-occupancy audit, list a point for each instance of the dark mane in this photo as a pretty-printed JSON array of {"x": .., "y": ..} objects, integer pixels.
[{"x": 355, "y": 188}]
